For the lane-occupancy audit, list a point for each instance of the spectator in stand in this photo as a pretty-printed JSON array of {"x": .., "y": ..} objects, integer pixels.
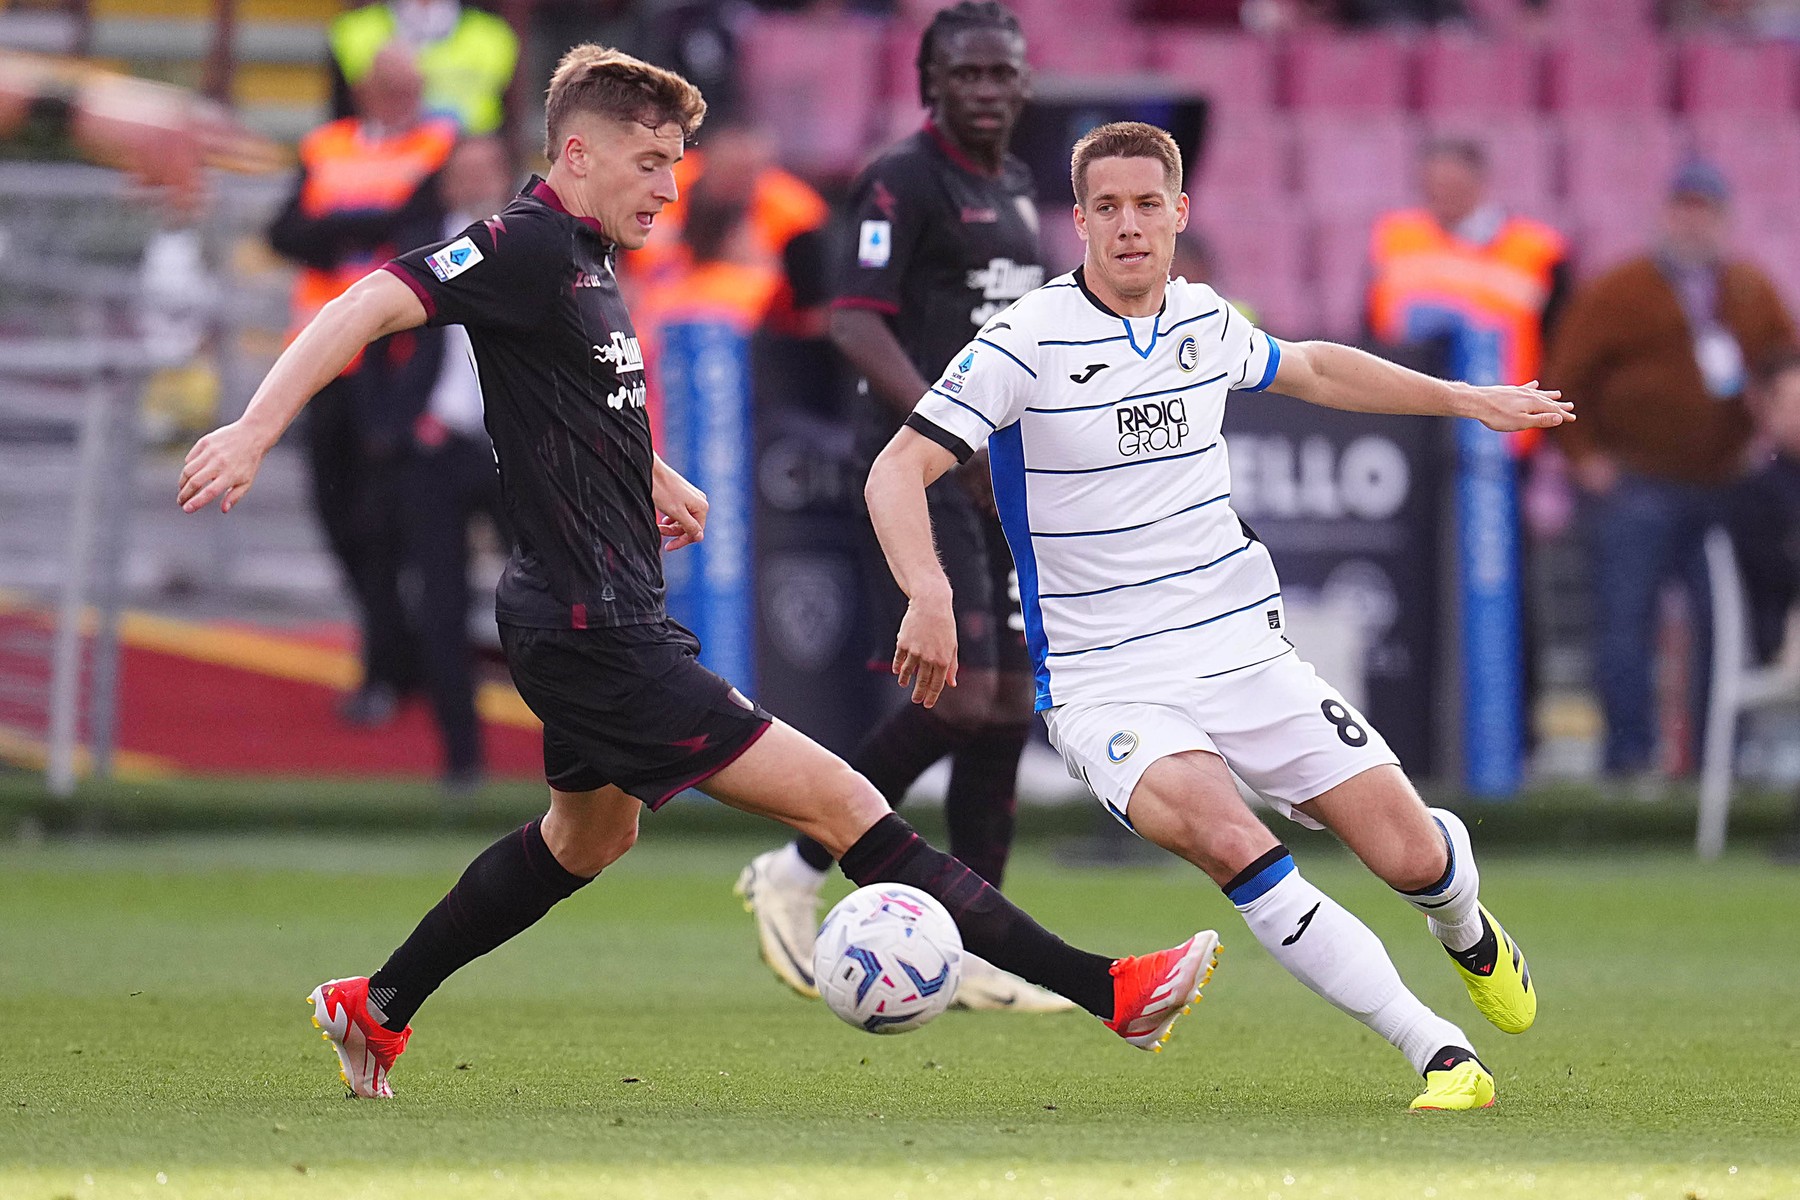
[
  {"x": 1653, "y": 354},
  {"x": 465, "y": 56},
  {"x": 784, "y": 220},
  {"x": 725, "y": 274},
  {"x": 429, "y": 393},
  {"x": 364, "y": 191},
  {"x": 1764, "y": 517},
  {"x": 1462, "y": 270}
]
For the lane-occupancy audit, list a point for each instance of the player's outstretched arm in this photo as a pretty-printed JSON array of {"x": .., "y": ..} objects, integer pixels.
[
  {"x": 925, "y": 651},
  {"x": 1336, "y": 376},
  {"x": 223, "y": 464}
]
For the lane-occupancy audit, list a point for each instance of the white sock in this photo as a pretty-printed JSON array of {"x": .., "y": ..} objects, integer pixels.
[
  {"x": 1450, "y": 904},
  {"x": 1325, "y": 947},
  {"x": 789, "y": 868}
]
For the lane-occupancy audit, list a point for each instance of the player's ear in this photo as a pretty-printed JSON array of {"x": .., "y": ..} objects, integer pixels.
[
  {"x": 1080, "y": 221},
  {"x": 1181, "y": 212}
]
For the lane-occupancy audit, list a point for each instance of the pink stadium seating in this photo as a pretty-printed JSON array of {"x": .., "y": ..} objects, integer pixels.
[
  {"x": 1609, "y": 75},
  {"x": 1619, "y": 159},
  {"x": 1349, "y": 73},
  {"x": 1459, "y": 74},
  {"x": 1737, "y": 77},
  {"x": 1089, "y": 47},
  {"x": 1605, "y": 234},
  {"x": 1262, "y": 253},
  {"x": 815, "y": 81},
  {"x": 1351, "y": 164},
  {"x": 1246, "y": 154},
  {"x": 1236, "y": 71}
]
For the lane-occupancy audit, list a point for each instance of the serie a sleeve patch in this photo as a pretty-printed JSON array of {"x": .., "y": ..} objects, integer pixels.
[
  {"x": 874, "y": 245},
  {"x": 453, "y": 259}
]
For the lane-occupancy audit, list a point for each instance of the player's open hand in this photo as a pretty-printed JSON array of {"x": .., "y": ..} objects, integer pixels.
[
  {"x": 1510, "y": 409},
  {"x": 925, "y": 651},
  {"x": 221, "y": 466},
  {"x": 681, "y": 507}
]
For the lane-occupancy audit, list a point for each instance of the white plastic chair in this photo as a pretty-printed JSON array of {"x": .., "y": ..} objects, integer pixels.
[{"x": 1738, "y": 686}]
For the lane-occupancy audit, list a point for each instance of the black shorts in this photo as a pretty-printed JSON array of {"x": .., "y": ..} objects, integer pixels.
[
  {"x": 629, "y": 706},
  {"x": 990, "y": 632}
]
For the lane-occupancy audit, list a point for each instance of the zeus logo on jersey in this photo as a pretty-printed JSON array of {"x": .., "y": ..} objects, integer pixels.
[
  {"x": 1151, "y": 426},
  {"x": 453, "y": 259},
  {"x": 999, "y": 283}
]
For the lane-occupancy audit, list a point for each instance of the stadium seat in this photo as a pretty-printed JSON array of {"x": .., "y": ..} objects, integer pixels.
[
  {"x": 815, "y": 82},
  {"x": 1349, "y": 73},
  {"x": 1352, "y": 163},
  {"x": 1619, "y": 160},
  {"x": 1738, "y": 686},
  {"x": 1089, "y": 47},
  {"x": 1235, "y": 71},
  {"x": 1461, "y": 75},
  {"x": 1605, "y": 234},
  {"x": 1609, "y": 75},
  {"x": 1748, "y": 78},
  {"x": 1246, "y": 154},
  {"x": 1262, "y": 252}
]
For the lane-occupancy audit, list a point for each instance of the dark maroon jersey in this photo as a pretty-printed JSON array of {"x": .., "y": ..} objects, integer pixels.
[{"x": 562, "y": 382}]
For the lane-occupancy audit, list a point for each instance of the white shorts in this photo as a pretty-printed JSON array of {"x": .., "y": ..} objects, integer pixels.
[{"x": 1283, "y": 730}]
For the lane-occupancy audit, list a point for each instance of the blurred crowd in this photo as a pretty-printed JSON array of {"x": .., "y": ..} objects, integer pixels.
[{"x": 1680, "y": 356}]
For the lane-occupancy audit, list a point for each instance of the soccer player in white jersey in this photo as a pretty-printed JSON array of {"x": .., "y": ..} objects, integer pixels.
[{"x": 1154, "y": 617}]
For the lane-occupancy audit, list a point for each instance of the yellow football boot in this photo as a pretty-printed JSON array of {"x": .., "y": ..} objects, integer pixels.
[
  {"x": 1465, "y": 1086},
  {"x": 1498, "y": 979}
]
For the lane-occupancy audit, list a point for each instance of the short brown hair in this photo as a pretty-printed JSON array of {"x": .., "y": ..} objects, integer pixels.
[
  {"x": 598, "y": 79},
  {"x": 1124, "y": 139}
]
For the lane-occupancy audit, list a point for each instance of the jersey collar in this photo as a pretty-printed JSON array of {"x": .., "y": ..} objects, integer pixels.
[
  {"x": 1130, "y": 334},
  {"x": 954, "y": 153},
  {"x": 541, "y": 190}
]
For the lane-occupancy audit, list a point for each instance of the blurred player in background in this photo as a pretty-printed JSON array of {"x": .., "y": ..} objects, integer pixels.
[
  {"x": 630, "y": 716},
  {"x": 366, "y": 190},
  {"x": 946, "y": 234},
  {"x": 1154, "y": 616}
]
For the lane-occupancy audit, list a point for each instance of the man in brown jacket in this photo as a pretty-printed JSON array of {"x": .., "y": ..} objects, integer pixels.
[{"x": 1655, "y": 353}]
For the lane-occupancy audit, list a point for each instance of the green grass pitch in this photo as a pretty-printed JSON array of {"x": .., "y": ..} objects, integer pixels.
[{"x": 154, "y": 1042}]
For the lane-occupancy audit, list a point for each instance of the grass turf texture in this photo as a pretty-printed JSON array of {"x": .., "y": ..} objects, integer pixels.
[{"x": 156, "y": 1043}]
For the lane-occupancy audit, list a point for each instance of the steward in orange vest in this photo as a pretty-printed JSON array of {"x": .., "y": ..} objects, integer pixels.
[{"x": 1463, "y": 272}]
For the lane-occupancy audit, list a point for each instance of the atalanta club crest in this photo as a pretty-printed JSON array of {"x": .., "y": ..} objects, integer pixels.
[{"x": 1187, "y": 355}]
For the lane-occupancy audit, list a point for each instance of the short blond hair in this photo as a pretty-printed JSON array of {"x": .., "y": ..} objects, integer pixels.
[
  {"x": 1124, "y": 139},
  {"x": 592, "y": 78}
]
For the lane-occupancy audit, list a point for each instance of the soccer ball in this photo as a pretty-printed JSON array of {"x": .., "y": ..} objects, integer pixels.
[{"x": 888, "y": 958}]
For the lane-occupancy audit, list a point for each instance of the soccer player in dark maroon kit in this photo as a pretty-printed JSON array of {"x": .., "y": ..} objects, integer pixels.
[
  {"x": 630, "y": 716},
  {"x": 943, "y": 234}
]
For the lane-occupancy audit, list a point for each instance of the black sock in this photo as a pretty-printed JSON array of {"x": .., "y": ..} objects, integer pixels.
[
  {"x": 505, "y": 891},
  {"x": 1483, "y": 956},
  {"x": 991, "y": 925},
  {"x": 1448, "y": 1056},
  {"x": 983, "y": 792},
  {"x": 892, "y": 758}
]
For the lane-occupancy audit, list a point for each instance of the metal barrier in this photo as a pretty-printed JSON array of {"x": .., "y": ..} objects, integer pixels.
[{"x": 94, "y": 298}]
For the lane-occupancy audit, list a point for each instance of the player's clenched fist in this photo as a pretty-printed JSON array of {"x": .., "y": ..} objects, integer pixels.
[
  {"x": 925, "y": 651},
  {"x": 1510, "y": 409},
  {"x": 221, "y": 466}
]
